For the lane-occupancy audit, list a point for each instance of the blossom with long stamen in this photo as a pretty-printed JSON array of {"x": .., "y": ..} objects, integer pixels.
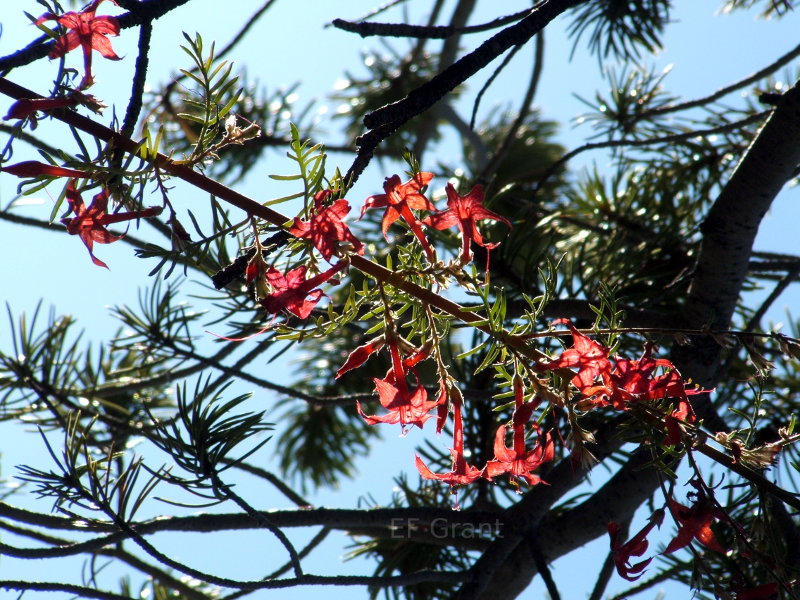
[{"x": 87, "y": 31}]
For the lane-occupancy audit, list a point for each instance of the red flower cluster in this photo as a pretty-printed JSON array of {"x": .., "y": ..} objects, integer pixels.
[
  {"x": 463, "y": 212},
  {"x": 400, "y": 199},
  {"x": 625, "y": 382},
  {"x": 517, "y": 461},
  {"x": 409, "y": 407},
  {"x": 462, "y": 472},
  {"x": 636, "y": 546}
]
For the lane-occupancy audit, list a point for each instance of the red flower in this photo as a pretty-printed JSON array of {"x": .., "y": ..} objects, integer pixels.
[
  {"x": 516, "y": 461},
  {"x": 399, "y": 200},
  {"x": 289, "y": 292},
  {"x": 24, "y": 108},
  {"x": 89, "y": 222},
  {"x": 360, "y": 355},
  {"x": 87, "y": 31},
  {"x": 463, "y": 212},
  {"x": 694, "y": 523},
  {"x": 34, "y": 168},
  {"x": 636, "y": 546},
  {"x": 326, "y": 228},
  {"x": 589, "y": 356},
  {"x": 404, "y": 408},
  {"x": 461, "y": 473}
]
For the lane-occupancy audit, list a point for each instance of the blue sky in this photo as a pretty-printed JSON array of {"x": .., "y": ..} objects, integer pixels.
[{"x": 293, "y": 45}]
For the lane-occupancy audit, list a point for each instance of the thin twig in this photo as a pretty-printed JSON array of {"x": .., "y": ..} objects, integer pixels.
[
  {"x": 757, "y": 479},
  {"x": 262, "y": 520},
  {"x": 786, "y": 280},
  {"x": 544, "y": 569},
  {"x": 273, "y": 479},
  {"x": 367, "y": 28},
  {"x": 18, "y": 133},
  {"x": 783, "y": 60},
  {"x": 524, "y": 110},
  {"x": 666, "y": 139},
  {"x": 604, "y": 576},
  {"x": 485, "y": 87}
]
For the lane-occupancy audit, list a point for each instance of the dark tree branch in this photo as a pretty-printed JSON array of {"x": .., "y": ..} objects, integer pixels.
[
  {"x": 46, "y": 586},
  {"x": 432, "y": 91},
  {"x": 385, "y": 121},
  {"x": 367, "y": 28},
  {"x": 383, "y": 519}
]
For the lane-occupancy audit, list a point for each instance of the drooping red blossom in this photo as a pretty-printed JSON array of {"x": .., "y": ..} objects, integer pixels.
[
  {"x": 461, "y": 473},
  {"x": 26, "y": 107},
  {"x": 683, "y": 413},
  {"x": 87, "y": 31},
  {"x": 405, "y": 407},
  {"x": 360, "y": 355},
  {"x": 443, "y": 405},
  {"x": 517, "y": 461},
  {"x": 399, "y": 200},
  {"x": 631, "y": 380},
  {"x": 694, "y": 523},
  {"x": 325, "y": 228},
  {"x": 89, "y": 222},
  {"x": 464, "y": 212},
  {"x": 588, "y": 356},
  {"x": 636, "y": 546},
  {"x": 34, "y": 168},
  {"x": 293, "y": 292}
]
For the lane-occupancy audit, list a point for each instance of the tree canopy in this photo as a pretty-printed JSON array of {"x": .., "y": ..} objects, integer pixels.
[{"x": 571, "y": 348}]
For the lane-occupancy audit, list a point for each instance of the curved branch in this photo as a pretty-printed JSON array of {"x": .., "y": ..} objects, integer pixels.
[
  {"x": 46, "y": 586},
  {"x": 760, "y": 74},
  {"x": 524, "y": 109}
]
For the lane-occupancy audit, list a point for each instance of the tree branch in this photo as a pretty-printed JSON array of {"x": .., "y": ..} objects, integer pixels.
[
  {"x": 367, "y": 28},
  {"x": 728, "y": 235},
  {"x": 385, "y": 121}
]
